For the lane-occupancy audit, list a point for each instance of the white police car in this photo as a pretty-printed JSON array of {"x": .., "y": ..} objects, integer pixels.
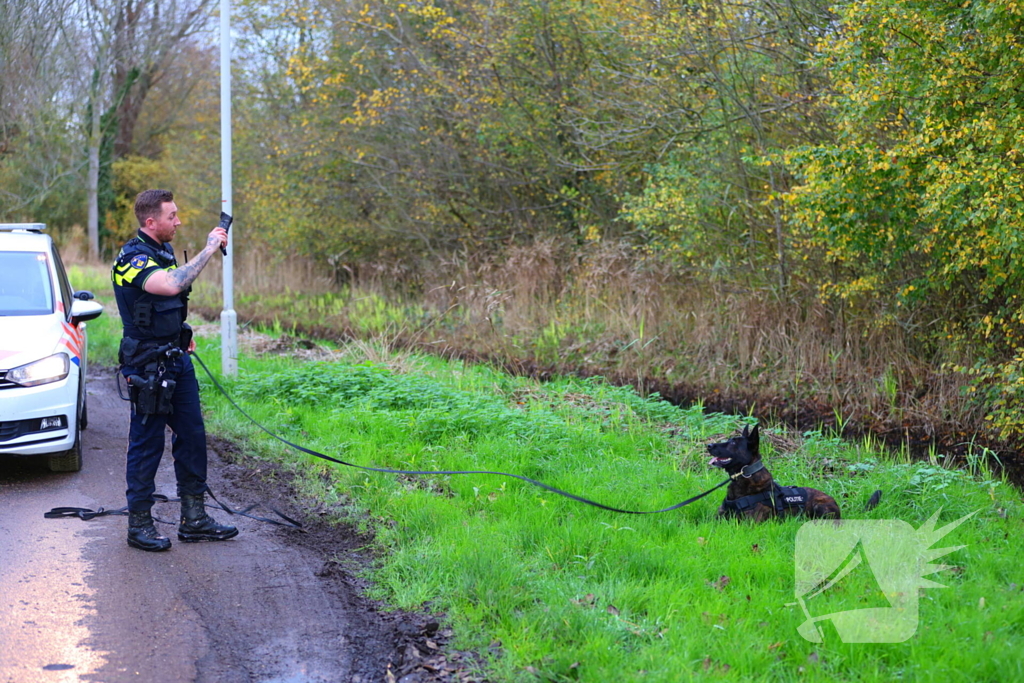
[{"x": 42, "y": 350}]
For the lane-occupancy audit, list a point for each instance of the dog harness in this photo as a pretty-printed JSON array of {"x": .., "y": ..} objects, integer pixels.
[{"x": 778, "y": 497}]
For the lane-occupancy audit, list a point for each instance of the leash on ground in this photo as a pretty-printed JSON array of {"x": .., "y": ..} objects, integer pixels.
[
  {"x": 86, "y": 514},
  {"x": 386, "y": 470}
]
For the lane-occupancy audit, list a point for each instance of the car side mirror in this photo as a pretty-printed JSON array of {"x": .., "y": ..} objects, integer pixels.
[{"x": 83, "y": 310}]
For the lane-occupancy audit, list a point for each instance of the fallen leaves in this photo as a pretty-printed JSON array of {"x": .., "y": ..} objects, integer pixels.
[
  {"x": 719, "y": 620},
  {"x": 586, "y": 601},
  {"x": 720, "y": 583},
  {"x": 711, "y": 666},
  {"x": 423, "y": 658}
]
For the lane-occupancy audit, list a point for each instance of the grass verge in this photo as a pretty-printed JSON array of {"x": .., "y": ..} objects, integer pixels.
[{"x": 551, "y": 590}]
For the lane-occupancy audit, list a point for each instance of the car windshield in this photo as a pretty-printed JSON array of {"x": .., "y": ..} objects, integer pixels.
[{"x": 25, "y": 286}]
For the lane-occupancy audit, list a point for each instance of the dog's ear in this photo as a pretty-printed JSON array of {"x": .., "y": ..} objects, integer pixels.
[
  {"x": 753, "y": 439},
  {"x": 746, "y": 431}
]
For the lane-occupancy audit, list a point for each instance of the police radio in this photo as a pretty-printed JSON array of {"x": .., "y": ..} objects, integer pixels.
[{"x": 225, "y": 222}]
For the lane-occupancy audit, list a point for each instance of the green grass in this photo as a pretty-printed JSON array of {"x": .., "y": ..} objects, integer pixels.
[
  {"x": 575, "y": 593},
  {"x": 105, "y": 331},
  {"x": 572, "y": 592}
]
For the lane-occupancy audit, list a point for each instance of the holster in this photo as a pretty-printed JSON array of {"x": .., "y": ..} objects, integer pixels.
[
  {"x": 151, "y": 394},
  {"x": 185, "y": 338},
  {"x": 127, "y": 351}
]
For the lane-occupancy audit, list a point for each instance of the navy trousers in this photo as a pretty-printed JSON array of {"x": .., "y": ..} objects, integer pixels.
[{"x": 188, "y": 440}]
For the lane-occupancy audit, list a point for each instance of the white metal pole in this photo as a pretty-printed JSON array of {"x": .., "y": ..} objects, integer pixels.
[{"x": 228, "y": 318}]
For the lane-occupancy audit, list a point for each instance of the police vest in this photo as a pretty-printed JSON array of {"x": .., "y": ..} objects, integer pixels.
[
  {"x": 147, "y": 316},
  {"x": 777, "y": 497}
]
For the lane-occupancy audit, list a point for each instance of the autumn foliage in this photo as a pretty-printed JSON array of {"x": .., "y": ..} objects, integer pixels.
[{"x": 847, "y": 168}]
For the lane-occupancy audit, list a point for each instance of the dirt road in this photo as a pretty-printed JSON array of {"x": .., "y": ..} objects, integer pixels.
[{"x": 270, "y": 606}]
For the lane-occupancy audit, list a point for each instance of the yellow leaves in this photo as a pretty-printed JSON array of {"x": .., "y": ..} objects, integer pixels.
[
  {"x": 335, "y": 79},
  {"x": 987, "y": 325},
  {"x": 369, "y": 108},
  {"x": 881, "y": 165}
]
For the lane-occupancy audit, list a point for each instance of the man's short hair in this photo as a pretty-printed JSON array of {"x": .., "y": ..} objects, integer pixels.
[{"x": 150, "y": 203}]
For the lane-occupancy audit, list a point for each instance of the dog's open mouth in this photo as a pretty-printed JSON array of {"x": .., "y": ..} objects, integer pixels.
[{"x": 719, "y": 462}]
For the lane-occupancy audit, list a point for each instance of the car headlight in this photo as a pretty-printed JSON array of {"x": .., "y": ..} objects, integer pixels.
[{"x": 50, "y": 369}]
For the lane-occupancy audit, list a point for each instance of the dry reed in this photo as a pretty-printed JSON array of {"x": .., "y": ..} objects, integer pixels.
[{"x": 605, "y": 309}]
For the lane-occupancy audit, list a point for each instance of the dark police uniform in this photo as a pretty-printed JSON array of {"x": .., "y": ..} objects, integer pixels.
[{"x": 152, "y": 325}]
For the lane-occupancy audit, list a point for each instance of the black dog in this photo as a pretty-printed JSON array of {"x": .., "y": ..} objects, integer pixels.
[{"x": 754, "y": 493}]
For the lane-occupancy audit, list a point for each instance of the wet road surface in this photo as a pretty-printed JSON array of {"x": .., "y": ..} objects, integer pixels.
[{"x": 77, "y": 604}]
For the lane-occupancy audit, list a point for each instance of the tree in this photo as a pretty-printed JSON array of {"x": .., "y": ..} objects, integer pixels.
[
  {"x": 741, "y": 73},
  {"x": 918, "y": 201},
  {"x": 38, "y": 98},
  {"x": 132, "y": 43}
]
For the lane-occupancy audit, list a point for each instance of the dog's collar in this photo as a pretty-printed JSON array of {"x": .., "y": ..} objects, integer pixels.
[{"x": 749, "y": 470}]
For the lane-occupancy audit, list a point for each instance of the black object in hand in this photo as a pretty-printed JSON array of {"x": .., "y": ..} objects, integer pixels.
[{"x": 225, "y": 222}]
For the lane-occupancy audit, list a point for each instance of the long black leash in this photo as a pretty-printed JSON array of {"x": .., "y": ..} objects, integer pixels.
[
  {"x": 86, "y": 514},
  {"x": 542, "y": 485}
]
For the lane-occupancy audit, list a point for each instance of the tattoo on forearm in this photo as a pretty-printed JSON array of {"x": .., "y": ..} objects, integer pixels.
[{"x": 183, "y": 276}]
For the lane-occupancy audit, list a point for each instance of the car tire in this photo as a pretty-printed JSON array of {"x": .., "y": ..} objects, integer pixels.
[
  {"x": 83, "y": 420},
  {"x": 68, "y": 461}
]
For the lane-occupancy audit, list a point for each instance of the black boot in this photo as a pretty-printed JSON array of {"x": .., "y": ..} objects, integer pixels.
[
  {"x": 196, "y": 525},
  {"x": 142, "y": 534}
]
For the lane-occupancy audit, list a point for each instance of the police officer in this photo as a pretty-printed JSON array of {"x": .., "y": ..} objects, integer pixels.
[{"x": 152, "y": 298}]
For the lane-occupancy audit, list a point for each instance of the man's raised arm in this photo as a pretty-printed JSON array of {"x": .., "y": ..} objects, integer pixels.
[{"x": 176, "y": 281}]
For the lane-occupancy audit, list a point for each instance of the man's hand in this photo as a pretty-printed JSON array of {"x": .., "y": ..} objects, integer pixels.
[
  {"x": 176, "y": 281},
  {"x": 217, "y": 238},
  {"x": 191, "y": 345}
]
